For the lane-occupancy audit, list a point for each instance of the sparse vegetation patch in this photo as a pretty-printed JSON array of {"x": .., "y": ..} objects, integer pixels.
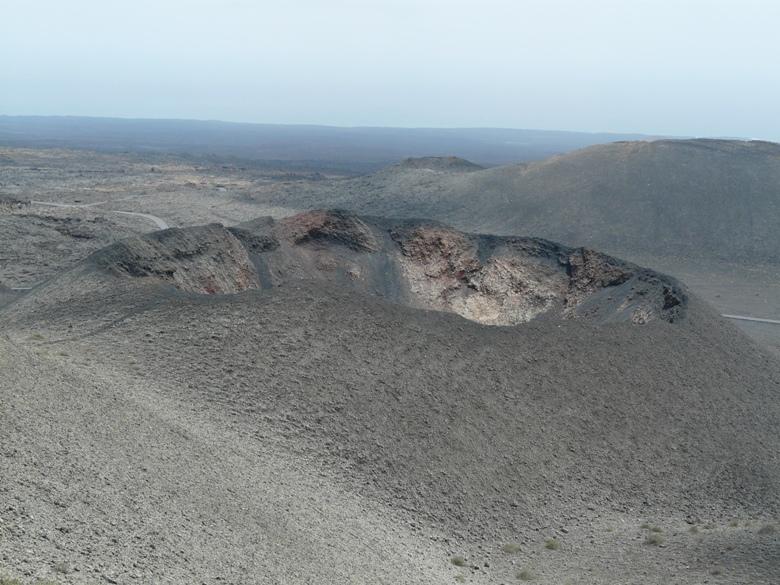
[{"x": 654, "y": 539}]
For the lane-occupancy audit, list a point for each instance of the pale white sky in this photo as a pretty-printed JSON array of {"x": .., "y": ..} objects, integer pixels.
[{"x": 694, "y": 67}]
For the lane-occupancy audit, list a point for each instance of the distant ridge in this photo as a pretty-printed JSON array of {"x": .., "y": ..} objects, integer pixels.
[{"x": 357, "y": 148}]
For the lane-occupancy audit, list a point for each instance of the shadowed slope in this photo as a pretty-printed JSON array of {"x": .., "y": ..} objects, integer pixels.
[{"x": 482, "y": 434}]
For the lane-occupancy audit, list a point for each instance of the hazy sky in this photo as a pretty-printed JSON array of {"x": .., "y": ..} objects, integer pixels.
[{"x": 694, "y": 67}]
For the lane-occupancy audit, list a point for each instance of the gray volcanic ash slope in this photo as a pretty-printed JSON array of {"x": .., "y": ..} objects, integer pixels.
[
  {"x": 105, "y": 478},
  {"x": 716, "y": 199},
  {"x": 461, "y": 437}
]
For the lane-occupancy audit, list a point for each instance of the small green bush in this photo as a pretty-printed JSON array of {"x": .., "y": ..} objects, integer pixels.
[
  {"x": 511, "y": 547},
  {"x": 526, "y": 575},
  {"x": 458, "y": 561},
  {"x": 767, "y": 529},
  {"x": 654, "y": 539},
  {"x": 552, "y": 544}
]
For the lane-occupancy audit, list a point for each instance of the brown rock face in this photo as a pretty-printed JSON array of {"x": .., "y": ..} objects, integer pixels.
[
  {"x": 506, "y": 281},
  {"x": 444, "y": 271}
]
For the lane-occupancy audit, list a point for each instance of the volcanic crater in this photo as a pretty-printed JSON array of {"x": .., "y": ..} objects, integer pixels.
[{"x": 419, "y": 263}]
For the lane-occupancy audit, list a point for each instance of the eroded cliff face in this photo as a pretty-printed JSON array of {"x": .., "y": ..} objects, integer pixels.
[
  {"x": 492, "y": 280},
  {"x": 444, "y": 271},
  {"x": 506, "y": 281}
]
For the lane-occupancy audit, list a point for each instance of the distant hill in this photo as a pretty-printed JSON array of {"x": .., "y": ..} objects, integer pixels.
[
  {"x": 359, "y": 149},
  {"x": 717, "y": 199},
  {"x": 440, "y": 163}
]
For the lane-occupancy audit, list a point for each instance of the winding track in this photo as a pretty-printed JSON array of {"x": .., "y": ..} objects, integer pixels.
[
  {"x": 755, "y": 319},
  {"x": 158, "y": 222}
]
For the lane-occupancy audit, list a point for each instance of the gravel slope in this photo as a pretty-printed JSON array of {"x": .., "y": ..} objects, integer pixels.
[
  {"x": 311, "y": 433},
  {"x": 106, "y": 478}
]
